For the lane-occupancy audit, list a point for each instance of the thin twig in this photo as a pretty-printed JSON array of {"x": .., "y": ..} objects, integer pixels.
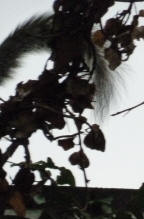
[
  {"x": 11, "y": 149},
  {"x": 128, "y": 109},
  {"x": 67, "y": 136},
  {"x": 27, "y": 153},
  {"x": 9, "y": 152},
  {"x": 81, "y": 148}
]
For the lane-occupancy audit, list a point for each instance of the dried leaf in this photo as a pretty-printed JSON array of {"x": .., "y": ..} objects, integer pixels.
[
  {"x": 98, "y": 38},
  {"x": 66, "y": 144},
  {"x": 141, "y": 13},
  {"x": 113, "y": 58},
  {"x": 138, "y": 33},
  {"x": 17, "y": 203},
  {"x": 113, "y": 26}
]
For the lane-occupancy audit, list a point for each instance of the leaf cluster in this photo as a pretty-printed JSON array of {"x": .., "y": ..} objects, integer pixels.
[
  {"x": 121, "y": 32},
  {"x": 59, "y": 95}
]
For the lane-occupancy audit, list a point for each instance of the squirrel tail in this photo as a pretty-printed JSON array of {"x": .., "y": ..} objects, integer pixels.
[
  {"x": 32, "y": 35},
  {"x": 36, "y": 34},
  {"x": 106, "y": 83}
]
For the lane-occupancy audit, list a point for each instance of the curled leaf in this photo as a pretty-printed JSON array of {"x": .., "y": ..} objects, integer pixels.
[{"x": 66, "y": 144}]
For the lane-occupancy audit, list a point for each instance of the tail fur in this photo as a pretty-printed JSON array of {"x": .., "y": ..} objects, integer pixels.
[{"x": 32, "y": 35}]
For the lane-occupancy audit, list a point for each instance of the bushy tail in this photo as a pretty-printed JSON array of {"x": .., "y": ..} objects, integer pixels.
[
  {"x": 32, "y": 35},
  {"x": 36, "y": 34},
  {"x": 106, "y": 83}
]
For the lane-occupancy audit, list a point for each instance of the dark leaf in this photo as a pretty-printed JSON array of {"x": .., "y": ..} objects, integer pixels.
[
  {"x": 95, "y": 139},
  {"x": 53, "y": 115},
  {"x": 45, "y": 174},
  {"x": 24, "y": 124},
  {"x": 24, "y": 180},
  {"x": 113, "y": 26},
  {"x": 66, "y": 144},
  {"x": 42, "y": 165},
  {"x": 80, "y": 104},
  {"x": 78, "y": 87},
  {"x": 79, "y": 158}
]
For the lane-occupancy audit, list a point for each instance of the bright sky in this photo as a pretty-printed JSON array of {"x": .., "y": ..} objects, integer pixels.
[{"x": 122, "y": 165}]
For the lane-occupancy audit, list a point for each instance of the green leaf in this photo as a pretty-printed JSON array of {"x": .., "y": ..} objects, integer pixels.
[
  {"x": 40, "y": 165},
  {"x": 107, "y": 200},
  {"x": 50, "y": 164},
  {"x": 107, "y": 209},
  {"x": 66, "y": 177}
]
